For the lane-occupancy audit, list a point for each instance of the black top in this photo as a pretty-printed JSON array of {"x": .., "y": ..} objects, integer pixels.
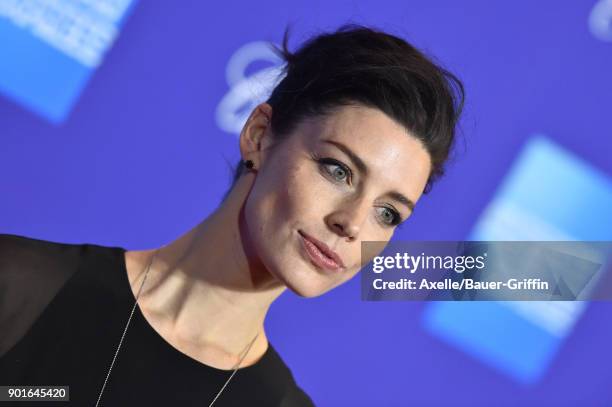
[{"x": 63, "y": 309}]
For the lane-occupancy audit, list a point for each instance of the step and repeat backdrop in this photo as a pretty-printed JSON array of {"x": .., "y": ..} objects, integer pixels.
[{"x": 119, "y": 122}]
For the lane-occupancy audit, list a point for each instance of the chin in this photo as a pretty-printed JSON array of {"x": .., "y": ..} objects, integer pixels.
[
  {"x": 305, "y": 289},
  {"x": 305, "y": 292}
]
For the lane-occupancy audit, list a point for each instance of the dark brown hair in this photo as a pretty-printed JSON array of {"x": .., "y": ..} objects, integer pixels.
[{"x": 361, "y": 65}]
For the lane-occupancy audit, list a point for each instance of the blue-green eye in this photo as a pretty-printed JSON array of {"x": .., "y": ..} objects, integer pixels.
[
  {"x": 336, "y": 169},
  {"x": 389, "y": 216}
]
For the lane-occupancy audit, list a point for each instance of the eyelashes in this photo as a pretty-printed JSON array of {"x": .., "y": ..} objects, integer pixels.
[
  {"x": 341, "y": 173},
  {"x": 395, "y": 217},
  {"x": 344, "y": 170}
]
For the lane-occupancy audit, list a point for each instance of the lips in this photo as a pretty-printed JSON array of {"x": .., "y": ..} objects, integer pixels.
[{"x": 320, "y": 253}]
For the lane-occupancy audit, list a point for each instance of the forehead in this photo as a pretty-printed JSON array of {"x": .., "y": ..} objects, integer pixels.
[{"x": 393, "y": 156}]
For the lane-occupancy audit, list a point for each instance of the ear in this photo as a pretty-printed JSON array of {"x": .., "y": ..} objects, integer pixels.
[{"x": 253, "y": 132}]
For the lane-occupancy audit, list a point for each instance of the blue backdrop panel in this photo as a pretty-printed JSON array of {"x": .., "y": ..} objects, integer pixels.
[
  {"x": 49, "y": 49},
  {"x": 539, "y": 200}
]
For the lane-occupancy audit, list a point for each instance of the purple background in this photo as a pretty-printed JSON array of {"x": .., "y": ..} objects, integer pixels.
[{"x": 141, "y": 160}]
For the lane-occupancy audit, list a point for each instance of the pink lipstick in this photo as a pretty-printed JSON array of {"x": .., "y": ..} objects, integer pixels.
[{"x": 320, "y": 254}]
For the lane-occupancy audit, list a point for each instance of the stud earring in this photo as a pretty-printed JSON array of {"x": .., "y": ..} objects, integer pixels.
[{"x": 249, "y": 164}]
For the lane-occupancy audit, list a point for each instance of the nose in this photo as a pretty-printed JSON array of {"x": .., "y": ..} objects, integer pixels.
[{"x": 347, "y": 221}]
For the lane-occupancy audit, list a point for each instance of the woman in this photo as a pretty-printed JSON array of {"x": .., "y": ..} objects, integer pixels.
[{"x": 357, "y": 130}]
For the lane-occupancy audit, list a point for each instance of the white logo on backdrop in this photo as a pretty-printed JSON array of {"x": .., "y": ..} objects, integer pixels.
[
  {"x": 600, "y": 20},
  {"x": 246, "y": 92}
]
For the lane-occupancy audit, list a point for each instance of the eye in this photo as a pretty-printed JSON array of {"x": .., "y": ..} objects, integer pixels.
[
  {"x": 336, "y": 169},
  {"x": 389, "y": 216}
]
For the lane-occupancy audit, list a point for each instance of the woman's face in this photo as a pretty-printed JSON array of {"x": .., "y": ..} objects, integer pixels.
[{"x": 337, "y": 179}]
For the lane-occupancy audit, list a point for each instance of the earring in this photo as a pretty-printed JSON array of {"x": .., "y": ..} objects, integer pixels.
[{"x": 249, "y": 164}]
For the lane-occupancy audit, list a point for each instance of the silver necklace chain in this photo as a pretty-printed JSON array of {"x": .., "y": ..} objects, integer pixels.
[{"x": 128, "y": 324}]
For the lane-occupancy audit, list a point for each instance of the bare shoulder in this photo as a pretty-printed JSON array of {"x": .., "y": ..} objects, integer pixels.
[{"x": 135, "y": 263}]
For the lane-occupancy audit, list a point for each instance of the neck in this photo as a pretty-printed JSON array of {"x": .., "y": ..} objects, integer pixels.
[{"x": 207, "y": 288}]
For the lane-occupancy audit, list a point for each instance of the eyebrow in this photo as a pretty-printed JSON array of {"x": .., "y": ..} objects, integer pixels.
[{"x": 364, "y": 169}]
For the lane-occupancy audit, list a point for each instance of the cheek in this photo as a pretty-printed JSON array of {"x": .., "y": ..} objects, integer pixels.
[
  {"x": 276, "y": 205},
  {"x": 287, "y": 196}
]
